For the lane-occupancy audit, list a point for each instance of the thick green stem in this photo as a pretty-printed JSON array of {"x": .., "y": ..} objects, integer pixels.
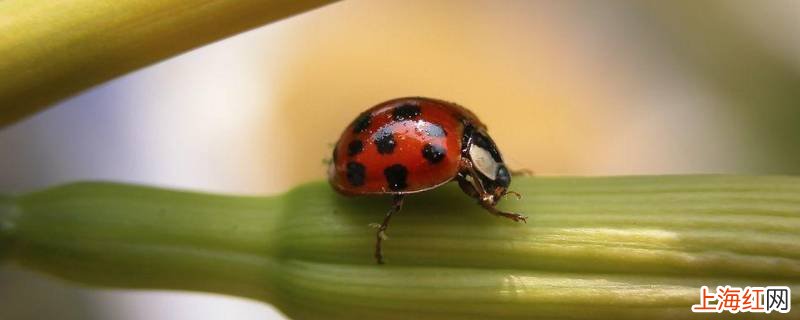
[
  {"x": 129, "y": 236},
  {"x": 621, "y": 247},
  {"x": 51, "y": 49}
]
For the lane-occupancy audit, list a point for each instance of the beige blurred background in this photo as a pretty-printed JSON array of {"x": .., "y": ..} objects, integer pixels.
[{"x": 566, "y": 87}]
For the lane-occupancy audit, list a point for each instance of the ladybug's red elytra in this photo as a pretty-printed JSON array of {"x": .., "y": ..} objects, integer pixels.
[{"x": 409, "y": 145}]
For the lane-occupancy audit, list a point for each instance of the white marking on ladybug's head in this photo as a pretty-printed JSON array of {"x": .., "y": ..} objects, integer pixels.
[{"x": 482, "y": 161}]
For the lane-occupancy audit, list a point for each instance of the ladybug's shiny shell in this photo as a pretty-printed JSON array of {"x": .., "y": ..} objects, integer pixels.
[
  {"x": 410, "y": 145},
  {"x": 401, "y": 146}
]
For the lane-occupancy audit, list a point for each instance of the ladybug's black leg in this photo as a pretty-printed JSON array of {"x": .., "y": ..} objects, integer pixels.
[
  {"x": 485, "y": 199},
  {"x": 397, "y": 204},
  {"x": 470, "y": 177},
  {"x": 467, "y": 186},
  {"x": 513, "y": 216}
]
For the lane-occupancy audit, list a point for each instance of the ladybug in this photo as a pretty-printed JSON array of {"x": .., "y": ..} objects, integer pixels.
[{"x": 410, "y": 145}]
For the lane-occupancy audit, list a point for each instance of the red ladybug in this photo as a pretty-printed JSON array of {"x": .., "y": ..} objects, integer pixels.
[{"x": 410, "y": 145}]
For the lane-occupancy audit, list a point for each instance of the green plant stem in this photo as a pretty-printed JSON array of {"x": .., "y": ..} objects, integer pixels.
[
  {"x": 593, "y": 248},
  {"x": 51, "y": 49}
]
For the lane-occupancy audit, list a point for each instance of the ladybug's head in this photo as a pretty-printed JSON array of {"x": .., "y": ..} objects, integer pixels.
[{"x": 487, "y": 163}]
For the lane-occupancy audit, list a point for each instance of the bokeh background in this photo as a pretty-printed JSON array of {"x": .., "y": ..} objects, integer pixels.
[{"x": 566, "y": 87}]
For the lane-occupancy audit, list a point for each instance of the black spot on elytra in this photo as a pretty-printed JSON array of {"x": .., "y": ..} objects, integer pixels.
[
  {"x": 433, "y": 130},
  {"x": 356, "y": 173},
  {"x": 361, "y": 123},
  {"x": 433, "y": 153},
  {"x": 384, "y": 141},
  {"x": 355, "y": 147},
  {"x": 406, "y": 111},
  {"x": 396, "y": 177}
]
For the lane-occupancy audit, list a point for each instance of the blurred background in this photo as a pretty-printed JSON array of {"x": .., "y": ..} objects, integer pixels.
[{"x": 566, "y": 88}]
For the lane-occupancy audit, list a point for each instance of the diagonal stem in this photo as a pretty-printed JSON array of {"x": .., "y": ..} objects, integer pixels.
[{"x": 52, "y": 49}]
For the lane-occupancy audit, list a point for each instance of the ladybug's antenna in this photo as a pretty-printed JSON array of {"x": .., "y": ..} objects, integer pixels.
[{"x": 519, "y": 196}]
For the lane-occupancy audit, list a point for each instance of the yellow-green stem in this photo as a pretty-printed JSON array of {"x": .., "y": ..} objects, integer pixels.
[
  {"x": 593, "y": 248},
  {"x": 50, "y": 49}
]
